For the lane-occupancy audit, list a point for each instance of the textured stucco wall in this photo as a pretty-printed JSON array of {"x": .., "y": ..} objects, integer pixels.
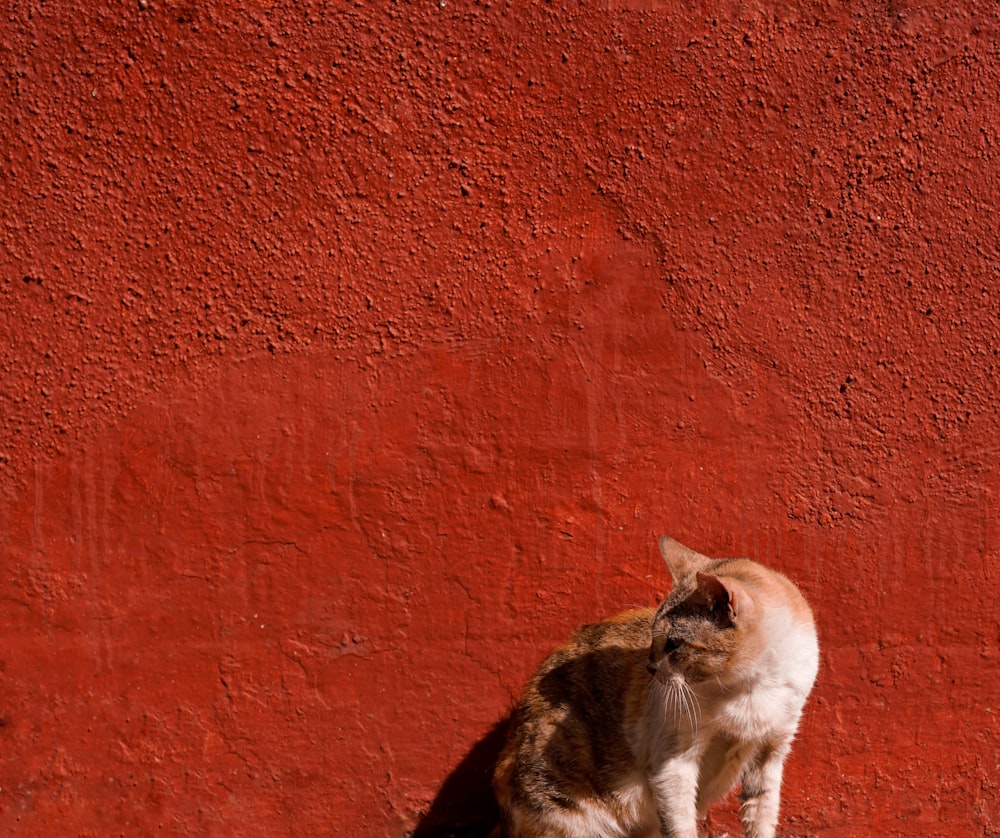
[{"x": 353, "y": 355}]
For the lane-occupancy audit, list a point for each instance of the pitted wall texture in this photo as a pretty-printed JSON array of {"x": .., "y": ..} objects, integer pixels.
[{"x": 355, "y": 355}]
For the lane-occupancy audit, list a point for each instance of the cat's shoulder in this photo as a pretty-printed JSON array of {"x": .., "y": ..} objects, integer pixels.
[
  {"x": 623, "y": 629},
  {"x": 602, "y": 642}
]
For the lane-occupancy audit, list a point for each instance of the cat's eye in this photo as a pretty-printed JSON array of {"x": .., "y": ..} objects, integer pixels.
[{"x": 672, "y": 644}]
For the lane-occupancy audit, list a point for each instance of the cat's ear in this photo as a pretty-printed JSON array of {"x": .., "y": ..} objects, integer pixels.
[
  {"x": 681, "y": 561},
  {"x": 724, "y": 597}
]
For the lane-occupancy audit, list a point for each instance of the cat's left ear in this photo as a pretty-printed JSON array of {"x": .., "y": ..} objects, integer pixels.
[
  {"x": 681, "y": 561},
  {"x": 723, "y": 596}
]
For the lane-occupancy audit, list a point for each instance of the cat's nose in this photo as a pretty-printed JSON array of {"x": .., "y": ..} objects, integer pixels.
[{"x": 652, "y": 667}]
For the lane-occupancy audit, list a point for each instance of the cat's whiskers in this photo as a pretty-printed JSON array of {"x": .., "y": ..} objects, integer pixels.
[
  {"x": 700, "y": 696},
  {"x": 679, "y": 705},
  {"x": 689, "y": 701},
  {"x": 722, "y": 686},
  {"x": 668, "y": 707},
  {"x": 657, "y": 693},
  {"x": 670, "y": 699}
]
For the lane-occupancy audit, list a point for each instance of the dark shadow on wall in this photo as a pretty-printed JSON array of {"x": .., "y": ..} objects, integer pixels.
[{"x": 465, "y": 806}]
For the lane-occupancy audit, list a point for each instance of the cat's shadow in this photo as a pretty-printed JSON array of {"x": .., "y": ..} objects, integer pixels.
[{"x": 464, "y": 806}]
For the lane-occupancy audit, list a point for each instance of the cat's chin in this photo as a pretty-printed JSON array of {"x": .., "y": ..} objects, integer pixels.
[
  {"x": 703, "y": 686},
  {"x": 671, "y": 677},
  {"x": 679, "y": 678}
]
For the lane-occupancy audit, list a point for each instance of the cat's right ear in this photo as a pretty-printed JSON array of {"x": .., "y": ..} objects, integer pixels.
[{"x": 681, "y": 561}]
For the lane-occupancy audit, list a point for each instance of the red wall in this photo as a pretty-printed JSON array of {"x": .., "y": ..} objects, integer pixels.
[{"x": 353, "y": 357}]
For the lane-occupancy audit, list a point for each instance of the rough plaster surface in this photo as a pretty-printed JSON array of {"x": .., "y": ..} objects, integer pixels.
[{"x": 353, "y": 356}]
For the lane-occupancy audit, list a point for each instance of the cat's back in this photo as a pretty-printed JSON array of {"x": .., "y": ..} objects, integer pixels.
[
  {"x": 596, "y": 662},
  {"x": 568, "y": 731}
]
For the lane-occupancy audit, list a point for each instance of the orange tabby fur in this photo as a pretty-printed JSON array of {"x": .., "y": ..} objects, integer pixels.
[{"x": 643, "y": 720}]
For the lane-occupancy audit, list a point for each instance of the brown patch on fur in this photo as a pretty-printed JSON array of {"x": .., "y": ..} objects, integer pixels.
[{"x": 569, "y": 741}]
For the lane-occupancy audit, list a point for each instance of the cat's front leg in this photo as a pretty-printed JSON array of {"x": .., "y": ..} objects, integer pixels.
[
  {"x": 676, "y": 787},
  {"x": 761, "y": 794}
]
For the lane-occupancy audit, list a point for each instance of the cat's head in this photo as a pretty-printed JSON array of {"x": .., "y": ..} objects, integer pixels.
[{"x": 705, "y": 629}]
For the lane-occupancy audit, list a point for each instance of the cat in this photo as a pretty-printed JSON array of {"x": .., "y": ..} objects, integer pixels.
[{"x": 643, "y": 720}]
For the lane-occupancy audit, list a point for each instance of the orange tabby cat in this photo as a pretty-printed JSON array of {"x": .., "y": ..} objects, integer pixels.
[{"x": 640, "y": 722}]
